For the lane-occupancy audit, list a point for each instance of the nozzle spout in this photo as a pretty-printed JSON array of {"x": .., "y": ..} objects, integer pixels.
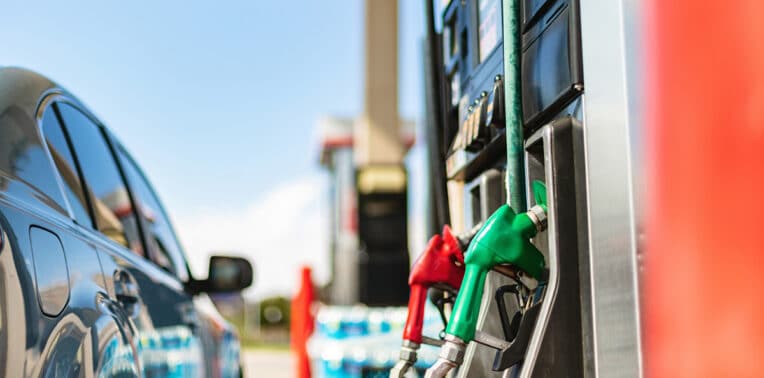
[
  {"x": 440, "y": 369},
  {"x": 451, "y": 356},
  {"x": 406, "y": 360}
]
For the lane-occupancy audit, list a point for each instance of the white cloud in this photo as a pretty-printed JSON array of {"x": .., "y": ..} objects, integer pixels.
[
  {"x": 285, "y": 228},
  {"x": 278, "y": 232},
  {"x": 417, "y": 206}
]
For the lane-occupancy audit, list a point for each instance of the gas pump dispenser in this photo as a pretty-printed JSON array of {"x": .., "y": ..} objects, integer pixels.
[{"x": 512, "y": 103}]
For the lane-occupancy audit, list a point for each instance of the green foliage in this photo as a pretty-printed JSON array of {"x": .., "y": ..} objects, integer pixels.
[{"x": 274, "y": 312}]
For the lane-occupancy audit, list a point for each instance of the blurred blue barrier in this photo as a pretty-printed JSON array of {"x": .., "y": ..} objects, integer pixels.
[{"x": 362, "y": 342}]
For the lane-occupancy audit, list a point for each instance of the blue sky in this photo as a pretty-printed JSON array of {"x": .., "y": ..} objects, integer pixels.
[{"x": 218, "y": 102}]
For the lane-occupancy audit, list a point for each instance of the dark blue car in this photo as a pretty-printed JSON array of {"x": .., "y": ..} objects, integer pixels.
[{"x": 93, "y": 281}]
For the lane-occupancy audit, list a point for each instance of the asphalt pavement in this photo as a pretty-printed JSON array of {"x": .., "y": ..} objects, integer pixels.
[{"x": 267, "y": 363}]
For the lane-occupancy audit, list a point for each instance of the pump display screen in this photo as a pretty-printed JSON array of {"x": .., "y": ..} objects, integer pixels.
[{"x": 490, "y": 32}]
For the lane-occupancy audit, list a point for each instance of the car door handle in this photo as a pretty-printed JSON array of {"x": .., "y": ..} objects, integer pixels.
[{"x": 126, "y": 291}]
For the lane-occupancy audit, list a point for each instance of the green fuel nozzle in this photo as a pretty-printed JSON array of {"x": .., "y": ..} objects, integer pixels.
[{"x": 503, "y": 239}]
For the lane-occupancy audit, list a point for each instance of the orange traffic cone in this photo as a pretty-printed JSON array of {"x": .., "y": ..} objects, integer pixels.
[{"x": 302, "y": 322}]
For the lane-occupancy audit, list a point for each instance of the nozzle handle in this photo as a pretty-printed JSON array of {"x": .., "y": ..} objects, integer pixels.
[
  {"x": 413, "y": 329},
  {"x": 467, "y": 307}
]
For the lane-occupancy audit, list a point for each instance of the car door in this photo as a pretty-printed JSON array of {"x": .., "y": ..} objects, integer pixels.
[
  {"x": 56, "y": 318},
  {"x": 165, "y": 249},
  {"x": 220, "y": 344},
  {"x": 112, "y": 350},
  {"x": 140, "y": 276}
]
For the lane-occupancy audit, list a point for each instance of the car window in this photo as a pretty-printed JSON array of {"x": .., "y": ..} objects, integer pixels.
[
  {"x": 110, "y": 201},
  {"x": 161, "y": 240},
  {"x": 60, "y": 150}
]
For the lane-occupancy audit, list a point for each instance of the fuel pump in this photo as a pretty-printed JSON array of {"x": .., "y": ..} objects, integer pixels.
[
  {"x": 571, "y": 265},
  {"x": 468, "y": 66},
  {"x": 504, "y": 239}
]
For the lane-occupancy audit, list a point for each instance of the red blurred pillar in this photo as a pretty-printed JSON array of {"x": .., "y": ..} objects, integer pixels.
[
  {"x": 703, "y": 282},
  {"x": 302, "y": 323}
]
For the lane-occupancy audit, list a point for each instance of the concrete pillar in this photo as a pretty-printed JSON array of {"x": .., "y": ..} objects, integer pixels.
[{"x": 377, "y": 136}]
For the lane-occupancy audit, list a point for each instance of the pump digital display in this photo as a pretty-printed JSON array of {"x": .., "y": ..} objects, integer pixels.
[{"x": 490, "y": 32}]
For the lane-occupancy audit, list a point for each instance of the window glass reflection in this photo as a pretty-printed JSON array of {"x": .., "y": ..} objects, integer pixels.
[
  {"x": 113, "y": 211},
  {"x": 162, "y": 242},
  {"x": 64, "y": 160}
]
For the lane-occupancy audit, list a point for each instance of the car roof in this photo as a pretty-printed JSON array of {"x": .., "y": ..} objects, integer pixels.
[{"x": 22, "y": 89}]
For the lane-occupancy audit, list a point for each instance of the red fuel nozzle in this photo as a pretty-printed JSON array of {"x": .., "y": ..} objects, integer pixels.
[{"x": 441, "y": 263}]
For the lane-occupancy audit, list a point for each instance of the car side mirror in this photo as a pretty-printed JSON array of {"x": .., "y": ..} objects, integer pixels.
[{"x": 226, "y": 274}]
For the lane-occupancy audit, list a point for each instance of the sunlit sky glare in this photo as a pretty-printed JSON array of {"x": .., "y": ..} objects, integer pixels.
[{"x": 218, "y": 102}]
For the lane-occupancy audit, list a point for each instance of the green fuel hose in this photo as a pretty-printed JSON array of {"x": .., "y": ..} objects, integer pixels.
[{"x": 514, "y": 112}]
